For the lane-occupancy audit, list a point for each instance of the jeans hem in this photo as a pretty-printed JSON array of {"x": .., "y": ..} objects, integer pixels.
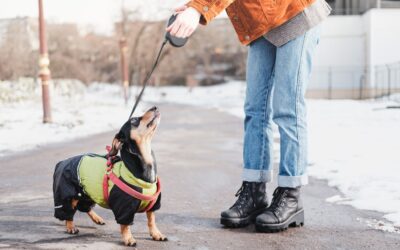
[
  {"x": 292, "y": 181},
  {"x": 255, "y": 175}
]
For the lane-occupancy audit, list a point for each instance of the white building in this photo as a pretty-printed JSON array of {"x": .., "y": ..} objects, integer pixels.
[
  {"x": 357, "y": 7},
  {"x": 359, "y": 55}
]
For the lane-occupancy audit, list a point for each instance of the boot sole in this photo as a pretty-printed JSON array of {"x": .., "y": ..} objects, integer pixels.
[
  {"x": 241, "y": 222},
  {"x": 296, "y": 220}
]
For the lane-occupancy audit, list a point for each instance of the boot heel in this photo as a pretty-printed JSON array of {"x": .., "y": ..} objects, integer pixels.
[{"x": 298, "y": 220}]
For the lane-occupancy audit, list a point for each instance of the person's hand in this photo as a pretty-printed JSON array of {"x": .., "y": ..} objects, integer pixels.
[{"x": 186, "y": 22}]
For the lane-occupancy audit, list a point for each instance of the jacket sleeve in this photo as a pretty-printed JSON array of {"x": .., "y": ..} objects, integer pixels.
[{"x": 209, "y": 9}]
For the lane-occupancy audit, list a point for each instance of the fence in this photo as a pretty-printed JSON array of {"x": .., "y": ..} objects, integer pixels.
[
  {"x": 387, "y": 79},
  {"x": 354, "y": 82},
  {"x": 358, "y": 7},
  {"x": 336, "y": 83}
]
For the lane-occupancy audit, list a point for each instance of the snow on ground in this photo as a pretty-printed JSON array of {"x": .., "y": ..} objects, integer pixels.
[
  {"x": 353, "y": 144},
  {"x": 91, "y": 110},
  {"x": 224, "y": 97}
]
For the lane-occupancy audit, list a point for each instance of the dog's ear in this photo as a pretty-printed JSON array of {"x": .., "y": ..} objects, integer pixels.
[{"x": 116, "y": 145}]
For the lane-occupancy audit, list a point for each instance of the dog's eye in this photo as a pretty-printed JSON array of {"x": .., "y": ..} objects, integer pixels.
[{"x": 135, "y": 122}]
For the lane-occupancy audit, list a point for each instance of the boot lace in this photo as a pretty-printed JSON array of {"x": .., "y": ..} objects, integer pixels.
[
  {"x": 278, "y": 201},
  {"x": 243, "y": 195}
]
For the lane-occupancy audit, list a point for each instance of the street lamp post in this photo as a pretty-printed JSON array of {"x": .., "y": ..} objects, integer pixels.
[
  {"x": 44, "y": 63},
  {"x": 124, "y": 67},
  {"x": 123, "y": 45}
]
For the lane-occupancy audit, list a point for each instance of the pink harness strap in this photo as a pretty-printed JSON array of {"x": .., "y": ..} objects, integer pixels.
[{"x": 132, "y": 192}]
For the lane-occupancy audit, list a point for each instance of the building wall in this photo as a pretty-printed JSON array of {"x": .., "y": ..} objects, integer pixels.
[
  {"x": 351, "y": 50},
  {"x": 384, "y": 30},
  {"x": 356, "y": 7}
]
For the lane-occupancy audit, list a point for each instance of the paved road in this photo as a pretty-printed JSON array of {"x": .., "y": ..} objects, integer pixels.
[{"x": 199, "y": 157}]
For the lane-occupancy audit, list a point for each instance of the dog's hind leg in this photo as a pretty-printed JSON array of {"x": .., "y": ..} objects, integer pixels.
[
  {"x": 96, "y": 218},
  {"x": 127, "y": 236},
  {"x": 71, "y": 229},
  {"x": 153, "y": 230}
]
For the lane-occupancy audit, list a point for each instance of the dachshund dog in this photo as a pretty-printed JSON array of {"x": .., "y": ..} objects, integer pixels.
[{"x": 80, "y": 182}]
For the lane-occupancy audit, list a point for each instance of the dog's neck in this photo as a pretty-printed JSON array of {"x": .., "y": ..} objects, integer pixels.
[
  {"x": 136, "y": 163},
  {"x": 145, "y": 150}
]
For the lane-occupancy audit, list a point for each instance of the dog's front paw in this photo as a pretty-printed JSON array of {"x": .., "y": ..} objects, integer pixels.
[
  {"x": 127, "y": 236},
  {"x": 71, "y": 229},
  {"x": 130, "y": 242},
  {"x": 158, "y": 236}
]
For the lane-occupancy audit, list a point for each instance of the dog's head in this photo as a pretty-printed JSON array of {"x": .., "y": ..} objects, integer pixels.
[{"x": 136, "y": 135}]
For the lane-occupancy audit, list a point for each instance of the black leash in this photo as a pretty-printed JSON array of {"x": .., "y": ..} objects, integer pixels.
[
  {"x": 148, "y": 78},
  {"x": 174, "y": 41}
]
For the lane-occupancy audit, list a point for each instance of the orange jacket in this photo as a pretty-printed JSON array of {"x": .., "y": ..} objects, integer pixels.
[{"x": 251, "y": 18}]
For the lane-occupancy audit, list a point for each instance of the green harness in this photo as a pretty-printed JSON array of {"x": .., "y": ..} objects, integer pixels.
[{"x": 91, "y": 171}]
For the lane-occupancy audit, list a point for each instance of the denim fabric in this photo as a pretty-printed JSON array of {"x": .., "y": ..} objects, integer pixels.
[{"x": 276, "y": 83}]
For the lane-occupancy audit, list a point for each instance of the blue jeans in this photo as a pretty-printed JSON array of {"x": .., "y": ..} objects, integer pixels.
[{"x": 276, "y": 83}]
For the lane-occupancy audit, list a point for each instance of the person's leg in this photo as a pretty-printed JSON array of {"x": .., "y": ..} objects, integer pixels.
[
  {"x": 258, "y": 134},
  {"x": 293, "y": 69},
  {"x": 258, "y": 138},
  {"x": 292, "y": 72}
]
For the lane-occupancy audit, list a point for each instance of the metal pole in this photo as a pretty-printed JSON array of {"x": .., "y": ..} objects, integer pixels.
[
  {"x": 44, "y": 63},
  {"x": 389, "y": 81},
  {"x": 124, "y": 67},
  {"x": 378, "y": 4},
  {"x": 123, "y": 51},
  {"x": 330, "y": 84},
  {"x": 360, "y": 90},
  {"x": 397, "y": 83},
  {"x": 376, "y": 82}
]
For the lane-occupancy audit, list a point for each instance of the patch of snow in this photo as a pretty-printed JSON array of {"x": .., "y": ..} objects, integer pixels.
[
  {"x": 227, "y": 97},
  {"x": 336, "y": 199},
  {"x": 355, "y": 145},
  {"x": 77, "y": 111},
  {"x": 380, "y": 225},
  {"x": 395, "y": 98},
  {"x": 352, "y": 144}
]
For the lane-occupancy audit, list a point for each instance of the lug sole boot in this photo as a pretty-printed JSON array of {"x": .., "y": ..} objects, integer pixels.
[
  {"x": 296, "y": 220},
  {"x": 252, "y": 201},
  {"x": 241, "y": 222},
  {"x": 286, "y": 211}
]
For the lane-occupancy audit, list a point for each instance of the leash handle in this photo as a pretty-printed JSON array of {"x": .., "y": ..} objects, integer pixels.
[
  {"x": 173, "y": 40},
  {"x": 148, "y": 78}
]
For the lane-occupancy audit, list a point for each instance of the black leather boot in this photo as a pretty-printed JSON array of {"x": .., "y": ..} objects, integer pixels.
[
  {"x": 252, "y": 200},
  {"x": 286, "y": 210}
]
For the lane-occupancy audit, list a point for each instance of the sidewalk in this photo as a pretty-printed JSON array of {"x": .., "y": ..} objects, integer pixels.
[{"x": 199, "y": 160}]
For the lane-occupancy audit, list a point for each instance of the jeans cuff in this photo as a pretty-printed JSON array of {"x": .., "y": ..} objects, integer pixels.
[
  {"x": 292, "y": 181},
  {"x": 255, "y": 175}
]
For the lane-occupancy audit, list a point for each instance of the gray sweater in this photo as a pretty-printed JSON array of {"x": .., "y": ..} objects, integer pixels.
[{"x": 300, "y": 24}]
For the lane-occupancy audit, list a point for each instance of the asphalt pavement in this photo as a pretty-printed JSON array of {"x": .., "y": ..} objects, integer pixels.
[{"x": 199, "y": 160}]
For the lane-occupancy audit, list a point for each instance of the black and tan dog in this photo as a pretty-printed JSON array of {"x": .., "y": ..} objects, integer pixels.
[{"x": 79, "y": 181}]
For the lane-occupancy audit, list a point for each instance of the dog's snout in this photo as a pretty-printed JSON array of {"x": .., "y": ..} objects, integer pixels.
[{"x": 154, "y": 108}]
